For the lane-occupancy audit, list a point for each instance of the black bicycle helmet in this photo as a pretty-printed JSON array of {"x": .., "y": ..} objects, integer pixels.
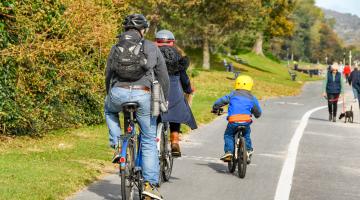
[{"x": 136, "y": 21}]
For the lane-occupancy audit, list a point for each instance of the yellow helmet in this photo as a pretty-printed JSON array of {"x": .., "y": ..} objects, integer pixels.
[{"x": 244, "y": 82}]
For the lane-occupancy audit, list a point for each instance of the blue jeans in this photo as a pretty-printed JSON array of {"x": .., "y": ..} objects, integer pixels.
[
  {"x": 355, "y": 93},
  {"x": 229, "y": 136},
  {"x": 116, "y": 97}
]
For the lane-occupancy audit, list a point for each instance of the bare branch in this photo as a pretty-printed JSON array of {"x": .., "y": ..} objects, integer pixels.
[{"x": 6, "y": 15}]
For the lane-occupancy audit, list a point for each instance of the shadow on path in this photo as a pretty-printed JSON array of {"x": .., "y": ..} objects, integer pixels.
[
  {"x": 319, "y": 119},
  {"x": 219, "y": 168},
  {"x": 109, "y": 190}
]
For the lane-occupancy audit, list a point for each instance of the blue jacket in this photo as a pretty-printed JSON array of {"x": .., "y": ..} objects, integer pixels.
[{"x": 242, "y": 105}]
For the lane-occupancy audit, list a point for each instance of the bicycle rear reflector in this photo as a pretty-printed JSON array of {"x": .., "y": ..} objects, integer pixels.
[{"x": 122, "y": 160}]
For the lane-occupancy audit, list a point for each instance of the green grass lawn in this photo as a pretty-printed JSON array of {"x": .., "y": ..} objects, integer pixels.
[
  {"x": 62, "y": 162},
  {"x": 54, "y": 166}
]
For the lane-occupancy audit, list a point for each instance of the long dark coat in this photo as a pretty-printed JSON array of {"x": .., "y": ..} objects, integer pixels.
[{"x": 179, "y": 110}]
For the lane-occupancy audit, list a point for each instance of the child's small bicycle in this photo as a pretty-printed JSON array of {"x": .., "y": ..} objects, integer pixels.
[{"x": 240, "y": 156}]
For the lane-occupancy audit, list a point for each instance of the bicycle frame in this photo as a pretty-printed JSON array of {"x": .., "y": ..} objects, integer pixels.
[{"x": 131, "y": 135}]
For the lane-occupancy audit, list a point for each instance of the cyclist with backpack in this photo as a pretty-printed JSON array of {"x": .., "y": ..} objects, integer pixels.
[
  {"x": 242, "y": 105},
  {"x": 179, "y": 110},
  {"x": 131, "y": 66}
]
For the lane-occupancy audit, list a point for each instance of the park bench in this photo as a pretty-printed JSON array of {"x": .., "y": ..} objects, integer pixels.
[{"x": 292, "y": 75}]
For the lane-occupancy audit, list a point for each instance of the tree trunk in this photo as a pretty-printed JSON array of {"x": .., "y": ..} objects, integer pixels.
[
  {"x": 206, "y": 53},
  {"x": 257, "y": 49}
]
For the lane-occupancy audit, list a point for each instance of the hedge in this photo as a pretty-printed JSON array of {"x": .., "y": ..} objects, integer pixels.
[{"x": 53, "y": 56}]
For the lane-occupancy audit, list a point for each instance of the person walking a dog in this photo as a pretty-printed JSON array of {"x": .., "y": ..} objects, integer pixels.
[{"x": 332, "y": 88}]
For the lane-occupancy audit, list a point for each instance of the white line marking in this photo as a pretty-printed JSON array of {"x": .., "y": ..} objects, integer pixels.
[
  {"x": 285, "y": 181},
  {"x": 289, "y": 103}
]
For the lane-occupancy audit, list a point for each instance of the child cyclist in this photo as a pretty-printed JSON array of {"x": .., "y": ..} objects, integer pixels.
[{"x": 242, "y": 105}]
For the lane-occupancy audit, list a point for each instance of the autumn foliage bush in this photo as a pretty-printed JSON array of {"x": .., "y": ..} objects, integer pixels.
[{"x": 53, "y": 55}]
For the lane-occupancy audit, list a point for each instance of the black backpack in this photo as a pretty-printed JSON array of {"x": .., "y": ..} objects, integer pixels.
[{"x": 129, "y": 58}]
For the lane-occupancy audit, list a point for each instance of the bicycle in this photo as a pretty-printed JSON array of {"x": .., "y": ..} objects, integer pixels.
[
  {"x": 131, "y": 158},
  {"x": 240, "y": 156},
  {"x": 130, "y": 155},
  {"x": 165, "y": 157}
]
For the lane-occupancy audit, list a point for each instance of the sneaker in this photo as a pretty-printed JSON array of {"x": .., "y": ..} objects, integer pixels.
[
  {"x": 330, "y": 117},
  {"x": 334, "y": 118},
  {"x": 250, "y": 152},
  {"x": 151, "y": 191},
  {"x": 226, "y": 157},
  {"x": 116, "y": 156},
  {"x": 249, "y": 155}
]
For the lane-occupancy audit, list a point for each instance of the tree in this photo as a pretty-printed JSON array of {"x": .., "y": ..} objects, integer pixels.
[
  {"x": 273, "y": 20},
  {"x": 199, "y": 23}
]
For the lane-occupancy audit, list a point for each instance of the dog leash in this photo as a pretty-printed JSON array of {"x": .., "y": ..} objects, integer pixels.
[{"x": 343, "y": 102}]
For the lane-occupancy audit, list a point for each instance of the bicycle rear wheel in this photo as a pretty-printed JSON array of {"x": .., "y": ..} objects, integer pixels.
[
  {"x": 165, "y": 157},
  {"x": 127, "y": 174},
  {"x": 242, "y": 158}
]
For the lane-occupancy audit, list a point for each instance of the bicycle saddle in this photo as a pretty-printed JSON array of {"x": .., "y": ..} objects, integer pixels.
[
  {"x": 130, "y": 106},
  {"x": 241, "y": 128}
]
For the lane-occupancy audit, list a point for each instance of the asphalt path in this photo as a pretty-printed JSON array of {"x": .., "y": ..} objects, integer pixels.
[{"x": 327, "y": 162}]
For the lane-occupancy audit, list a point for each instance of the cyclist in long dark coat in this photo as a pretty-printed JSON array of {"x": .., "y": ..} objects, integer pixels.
[{"x": 179, "y": 110}]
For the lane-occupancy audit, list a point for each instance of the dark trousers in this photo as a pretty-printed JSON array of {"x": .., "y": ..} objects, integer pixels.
[
  {"x": 332, "y": 103},
  {"x": 358, "y": 98},
  {"x": 175, "y": 127}
]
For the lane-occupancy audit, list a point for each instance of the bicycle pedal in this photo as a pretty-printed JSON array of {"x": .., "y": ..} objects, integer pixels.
[{"x": 176, "y": 155}]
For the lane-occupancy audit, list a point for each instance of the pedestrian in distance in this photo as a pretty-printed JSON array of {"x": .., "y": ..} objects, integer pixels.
[
  {"x": 341, "y": 67},
  {"x": 296, "y": 66},
  {"x": 242, "y": 105},
  {"x": 230, "y": 67},
  {"x": 353, "y": 78},
  {"x": 179, "y": 110},
  {"x": 347, "y": 71},
  {"x": 333, "y": 86},
  {"x": 225, "y": 62},
  {"x": 129, "y": 69},
  {"x": 355, "y": 82}
]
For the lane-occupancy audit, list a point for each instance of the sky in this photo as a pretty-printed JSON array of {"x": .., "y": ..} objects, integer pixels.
[{"x": 344, "y": 6}]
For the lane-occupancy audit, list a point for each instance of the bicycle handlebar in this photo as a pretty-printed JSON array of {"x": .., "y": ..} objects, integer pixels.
[{"x": 218, "y": 111}]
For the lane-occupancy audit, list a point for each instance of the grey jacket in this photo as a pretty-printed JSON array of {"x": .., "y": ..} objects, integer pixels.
[{"x": 155, "y": 60}]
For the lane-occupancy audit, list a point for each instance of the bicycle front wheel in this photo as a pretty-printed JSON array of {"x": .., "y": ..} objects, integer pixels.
[
  {"x": 126, "y": 174},
  {"x": 242, "y": 158}
]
